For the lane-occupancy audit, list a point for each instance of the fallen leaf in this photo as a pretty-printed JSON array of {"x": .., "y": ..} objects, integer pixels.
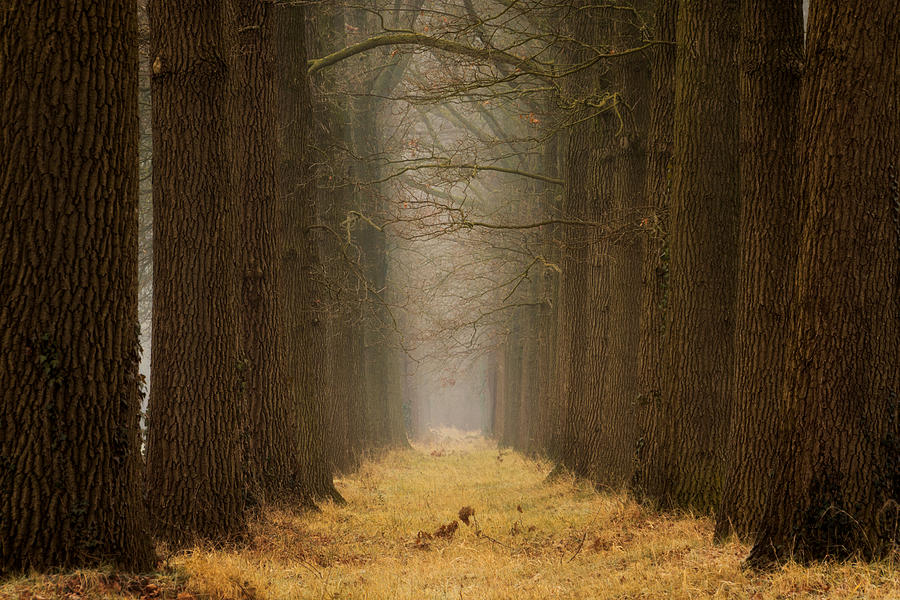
[{"x": 447, "y": 531}]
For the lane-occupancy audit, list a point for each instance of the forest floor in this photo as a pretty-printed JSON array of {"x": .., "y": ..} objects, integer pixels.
[{"x": 399, "y": 536}]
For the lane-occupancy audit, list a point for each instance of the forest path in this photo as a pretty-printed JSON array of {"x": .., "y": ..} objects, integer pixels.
[
  {"x": 567, "y": 541},
  {"x": 529, "y": 539}
]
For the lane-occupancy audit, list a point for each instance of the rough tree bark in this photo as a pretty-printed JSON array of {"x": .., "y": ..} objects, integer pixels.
[
  {"x": 651, "y": 419},
  {"x": 770, "y": 67},
  {"x": 703, "y": 238},
  {"x": 305, "y": 336},
  {"x": 194, "y": 482},
  {"x": 272, "y": 467},
  {"x": 70, "y": 462},
  {"x": 584, "y": 290},
  {"x": 838, "y": 490},
  {"x": 343, "y": 376},
  {"x": 630, "y": 80}
]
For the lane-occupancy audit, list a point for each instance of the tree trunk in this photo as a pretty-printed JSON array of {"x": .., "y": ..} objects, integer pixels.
[
  {"x": 651, "y": 419},
  {"x": 543, "y": 424},
  {"x": 703, "y": 242},
  {"x": 562, "y": 367},
  {"x": 70, "y": 461},
  {"x": 343, "y": 338},
  {"x": 512, "y": 386},
  {"x": 770, "y": 68},
  {"x": 194, "y": 474},
  {"x": 543, "y": 429},
  {"x": 630, "y": 75},
  {"x": 272, "y": 460},
  {"x": 499, "y": 412},
  {"x": 302, "y": 266},
  {"x": 838, "y": 491},
  {"x": 586, "y": 268},
  {"x": 382, "y": 407}
]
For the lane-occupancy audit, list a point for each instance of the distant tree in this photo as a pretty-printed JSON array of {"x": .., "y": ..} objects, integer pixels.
[
  {"x": 195, "y": 483},
  {"x": 836, "y": 489},
  {"x": 703, "y": 242},
  {"x": 513, "y": 363},
  {"x": 70, "y": 462},
  {"x": 545, "y": 428},
  {"x": 327, "y": 123},
  {"x": 770, "y": 68}
]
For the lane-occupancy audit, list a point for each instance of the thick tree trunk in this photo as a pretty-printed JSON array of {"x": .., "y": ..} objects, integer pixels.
[
  {"x": 380, "y": 369},
  {"x": 586, "y": 268},
  {"x": 70, "y": 462},
  {"x": 837, "y": 492},
  {"x": 194, "y": 474},
  {"x": 345, "y": 350},
  {"x": 651, "y": 419},
  {"x": 703, "y": 241},
  {"x": 302, "y": 287},
  {"x": 630, "y": 75},
  {"x": 272, "y": 443},
  {"x": 529, "y": 411},
  {"x": 532, "y": 348},
  {"x": 343, "y": 384},
  {"x": 770, "y": 68}
]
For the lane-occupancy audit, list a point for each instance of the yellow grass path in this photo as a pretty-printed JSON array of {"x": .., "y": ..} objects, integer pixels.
[{"x": 529, "y": 539}]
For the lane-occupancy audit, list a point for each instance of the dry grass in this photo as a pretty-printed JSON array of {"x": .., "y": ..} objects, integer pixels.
[{"x": 528, "y": 539}]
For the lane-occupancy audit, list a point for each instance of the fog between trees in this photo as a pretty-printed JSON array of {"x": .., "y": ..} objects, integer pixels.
[{"x": 656, "y": 242}]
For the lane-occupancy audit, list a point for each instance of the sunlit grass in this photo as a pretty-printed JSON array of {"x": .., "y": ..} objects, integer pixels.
[{"x": 529, "y": 539}]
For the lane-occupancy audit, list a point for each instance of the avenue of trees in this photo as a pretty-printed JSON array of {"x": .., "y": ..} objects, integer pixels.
[{"x": 654, "y": 241}]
